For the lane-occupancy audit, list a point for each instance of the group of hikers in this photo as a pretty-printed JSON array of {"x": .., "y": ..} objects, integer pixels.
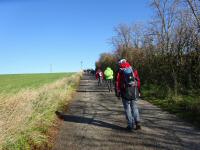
[
  {"x": 127, "y": 86},
  {"x": 107, "y": 75}
]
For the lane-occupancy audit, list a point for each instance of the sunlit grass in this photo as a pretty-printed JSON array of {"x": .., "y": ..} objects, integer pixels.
[
  {"x": 27, "y": 115},
  {"x": 186, "y": 106},
  {"x": 13, "y": 83}
]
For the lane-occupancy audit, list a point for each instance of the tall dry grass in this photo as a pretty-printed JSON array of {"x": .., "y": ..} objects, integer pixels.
[{"x": 26, "y": 116}]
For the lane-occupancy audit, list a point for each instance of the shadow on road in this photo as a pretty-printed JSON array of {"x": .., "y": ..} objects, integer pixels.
[{"x": 86, "y": 120}]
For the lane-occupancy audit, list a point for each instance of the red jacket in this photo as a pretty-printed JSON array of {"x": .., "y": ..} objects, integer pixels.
[
  {"x": 119, "y": 80},
  {"x": 97, "y": 74}
]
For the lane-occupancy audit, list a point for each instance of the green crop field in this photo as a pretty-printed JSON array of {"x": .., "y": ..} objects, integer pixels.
[
  {"x": 10, "y": 84},
  {"x": 27, "y": 107}
]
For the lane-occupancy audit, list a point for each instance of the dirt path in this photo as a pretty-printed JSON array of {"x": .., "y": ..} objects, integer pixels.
[{"x": 95, "y": 120}]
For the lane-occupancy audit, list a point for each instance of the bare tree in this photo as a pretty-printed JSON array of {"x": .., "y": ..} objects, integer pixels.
[
  {"x": 195, "y": 8},
  {"x": 122, "y": 37},
  {"x": 166, "y": 11},
  {"x": 167, "y": 49},
  {"x": 137, "y": 35}
]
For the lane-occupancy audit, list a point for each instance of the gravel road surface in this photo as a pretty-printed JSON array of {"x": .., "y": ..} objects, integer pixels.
[{"x": 95, "y": 120}]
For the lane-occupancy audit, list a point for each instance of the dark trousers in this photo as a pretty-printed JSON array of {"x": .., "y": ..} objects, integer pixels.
[
  {"x": 100, "y": 81},
  {"x": 109, "y": 84}
]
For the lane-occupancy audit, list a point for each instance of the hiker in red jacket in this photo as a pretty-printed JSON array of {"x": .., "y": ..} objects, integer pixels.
[
  {"x": 99, "y": 76},
  {"x": 128, "y": 88}
]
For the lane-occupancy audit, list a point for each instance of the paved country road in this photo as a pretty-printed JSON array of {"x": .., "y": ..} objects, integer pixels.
[{"x": 95, "y": 120}]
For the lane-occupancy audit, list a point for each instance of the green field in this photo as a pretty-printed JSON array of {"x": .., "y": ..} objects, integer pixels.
[
  {"x": 27, "y": 107},
  {"x": 10, "y": 84}
]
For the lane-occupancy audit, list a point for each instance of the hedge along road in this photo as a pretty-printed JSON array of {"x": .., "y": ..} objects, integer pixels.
[{"x": 95, "y": 120}]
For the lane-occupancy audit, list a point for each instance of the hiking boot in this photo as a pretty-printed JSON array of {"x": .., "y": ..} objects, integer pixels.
[
  {"x": 138, "y": 126},
  {"x": 128, "y": 128}
]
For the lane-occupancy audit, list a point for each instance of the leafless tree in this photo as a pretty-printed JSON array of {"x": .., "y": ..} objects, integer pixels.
[{"x": 195, "y": 8}]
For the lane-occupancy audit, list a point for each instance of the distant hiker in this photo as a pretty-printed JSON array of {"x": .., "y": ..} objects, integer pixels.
[
  {"x": 127, "y": 85},
  {"x": 108, "y": 73},
  {"x": 99, "y": 76}
]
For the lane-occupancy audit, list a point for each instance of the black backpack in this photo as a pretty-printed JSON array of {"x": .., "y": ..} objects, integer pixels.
[{"x": 130, "y": 85}]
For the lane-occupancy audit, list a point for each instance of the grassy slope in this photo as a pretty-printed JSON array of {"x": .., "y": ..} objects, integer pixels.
[
  {"x": 10, "y": 84},
  {"x": 27, "y": 115},
  {"x": 185, "y": 106}
]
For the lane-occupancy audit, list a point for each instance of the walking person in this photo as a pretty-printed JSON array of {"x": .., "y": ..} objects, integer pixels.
[
  {"x": 108, "y": 73},
  {"x": 99, "y": 76},
  {"x": 127, "y": 87}
]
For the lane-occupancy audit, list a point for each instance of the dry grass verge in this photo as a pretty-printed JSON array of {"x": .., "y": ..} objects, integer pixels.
[{"x": 26, "y": 117}]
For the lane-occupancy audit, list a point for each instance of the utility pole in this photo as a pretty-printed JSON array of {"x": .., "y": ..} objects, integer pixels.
[
  {"x": 81, "y": 65},
  {"x": 51, "y": 68}
]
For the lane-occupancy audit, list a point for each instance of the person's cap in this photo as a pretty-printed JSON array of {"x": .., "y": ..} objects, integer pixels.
[{"x": 122, "y": 61}]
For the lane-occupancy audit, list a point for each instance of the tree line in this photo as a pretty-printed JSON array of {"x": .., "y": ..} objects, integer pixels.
[{"x": 165, "y": 50}]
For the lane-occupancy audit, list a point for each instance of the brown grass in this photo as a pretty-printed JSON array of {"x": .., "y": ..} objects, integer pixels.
[{"x": 31, "y": 108}]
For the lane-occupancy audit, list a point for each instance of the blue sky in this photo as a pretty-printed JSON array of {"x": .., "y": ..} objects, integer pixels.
[{"x": 37, "y": 33}]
